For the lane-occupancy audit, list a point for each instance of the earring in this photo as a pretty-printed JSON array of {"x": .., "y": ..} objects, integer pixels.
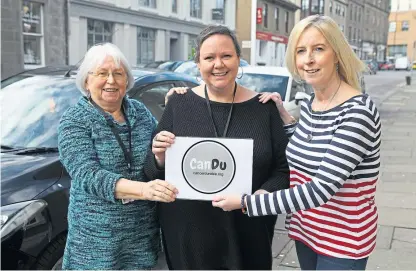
[
  {"x": 242, "y": 73},
  {"x": 337, "y": 67},
  {"x": 198, "y": 78}
]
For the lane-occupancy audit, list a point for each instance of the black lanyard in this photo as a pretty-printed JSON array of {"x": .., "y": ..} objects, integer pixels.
[
  {"x": 127, "y": 154},
  {"x": 229, "y": 114}
]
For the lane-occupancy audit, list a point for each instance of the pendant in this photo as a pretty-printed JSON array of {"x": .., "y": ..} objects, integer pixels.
[{"x": 309, "y": 137}]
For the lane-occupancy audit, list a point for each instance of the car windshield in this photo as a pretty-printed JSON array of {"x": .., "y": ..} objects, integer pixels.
[
  {"x": 139, "y": 73},
  {"x": 189, "y": 68},
  {"x": 265, "y": 83},
  {"x": 31, "y": 109}
]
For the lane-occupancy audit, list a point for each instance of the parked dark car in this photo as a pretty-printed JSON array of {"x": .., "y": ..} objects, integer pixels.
[
  {"x": 166, "y": 65},
  {"x": 34, "y": 184}
]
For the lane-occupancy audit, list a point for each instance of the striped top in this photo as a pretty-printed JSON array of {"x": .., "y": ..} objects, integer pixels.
[{"x": 332, "y": 178}]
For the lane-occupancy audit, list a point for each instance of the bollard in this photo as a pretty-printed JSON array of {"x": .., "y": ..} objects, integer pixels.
[{"x": 408, "y": 80}]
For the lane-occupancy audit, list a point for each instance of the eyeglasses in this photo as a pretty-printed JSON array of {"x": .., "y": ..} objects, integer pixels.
[{"x": 118, "y": 75}]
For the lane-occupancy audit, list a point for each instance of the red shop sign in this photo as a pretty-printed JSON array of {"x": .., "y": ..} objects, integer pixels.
[
  {"x": 259, "y": 15},
  {"x": 270, "y": 37}
]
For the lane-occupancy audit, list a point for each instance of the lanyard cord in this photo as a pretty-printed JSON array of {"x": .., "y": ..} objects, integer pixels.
[
  {"x": 212, "y": 117},
  {"x": 127, "y": 154}
]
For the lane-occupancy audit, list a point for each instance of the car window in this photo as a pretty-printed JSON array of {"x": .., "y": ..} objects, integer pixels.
[
  {"x": 265, "y": 83},
  {"x": 41, "y": 102},
  {"x": 154, "y": 97}
]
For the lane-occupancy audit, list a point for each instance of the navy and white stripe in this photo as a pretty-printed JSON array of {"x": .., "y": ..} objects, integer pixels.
[{"x": 333, "y": 179}]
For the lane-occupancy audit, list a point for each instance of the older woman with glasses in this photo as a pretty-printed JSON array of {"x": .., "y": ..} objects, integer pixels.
[{"x": 103, "y": 141}]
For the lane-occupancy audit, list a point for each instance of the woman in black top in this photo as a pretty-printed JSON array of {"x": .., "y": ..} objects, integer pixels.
[{"x": 196, "y": 235}]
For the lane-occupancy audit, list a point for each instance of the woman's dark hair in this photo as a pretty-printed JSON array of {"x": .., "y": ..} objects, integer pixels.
[{"x": 215, "y": 30}]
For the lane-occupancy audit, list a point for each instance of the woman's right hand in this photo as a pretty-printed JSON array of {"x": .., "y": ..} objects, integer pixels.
[
  {"x": 160, "y": 143},
  {"x": 159, "y": 190},
  {"x": 277, "y": 99},
  {"x": 178, "y": 90},
  {"x": 274, "y": 96}
]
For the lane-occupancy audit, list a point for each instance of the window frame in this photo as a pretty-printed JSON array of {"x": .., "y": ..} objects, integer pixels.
[
  {"x": 92, "y": 32},
  {"x": 196, "y": 14},
  {"x": 140, "y": 40},
  {"x": 40, "y": 35},
  {"x": 287, "y": 21},
  {"x": 404, "y": 22},
  {"x": 175, "y": 6},
  {"x": 265, "y": 15},
  {"x": 151, "y": 4},
  {"x": 276, "y": 17}
]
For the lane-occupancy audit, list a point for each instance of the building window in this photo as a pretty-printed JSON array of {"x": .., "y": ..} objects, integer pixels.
[
  {"x": 321, "y": 6},
  {"x": 392, "y": 27},
  {"x": 405, "y": 25},
  {"x": 314, "y": 6},
  {"x": 147, "y": 3},
  {"x": 287, "y": 21},
  {"x": 174, "y": 6},
  {"x": 276, "y": 17},
  {"x": 191, "y": 46},
  {"x": 265, "y": 13},
  {"x": 99, "y": 32},
  {"x": 343, "y": 11},
  {"x": 397, "y": 50},
  {"x": 349, "y": 34},
  {"x": 330, "y": 7},
  {"x": 221, "y": 5},
  {"x": 351, "y": 16},
  {"x": 33, "y": 42},
  {"x": 196, "y": 9},
  {"x": 145, "y": 45}
]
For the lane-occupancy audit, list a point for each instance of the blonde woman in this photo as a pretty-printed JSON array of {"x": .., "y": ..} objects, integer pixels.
[{"x": 333, "y": 155}]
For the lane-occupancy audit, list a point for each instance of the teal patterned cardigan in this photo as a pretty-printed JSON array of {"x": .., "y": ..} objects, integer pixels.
[{"x": 103, "y": 233}]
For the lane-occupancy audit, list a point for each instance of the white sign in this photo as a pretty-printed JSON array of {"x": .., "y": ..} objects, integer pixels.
[
  {"x": 246, "y": 44},
  {"x": 201, "y": 168}
]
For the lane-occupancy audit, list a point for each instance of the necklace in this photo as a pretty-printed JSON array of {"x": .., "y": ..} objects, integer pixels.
[{"x": 310, "y": 135}]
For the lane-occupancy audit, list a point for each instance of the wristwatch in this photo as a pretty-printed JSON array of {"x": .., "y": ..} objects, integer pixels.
[{"x": 243, "y": 207}]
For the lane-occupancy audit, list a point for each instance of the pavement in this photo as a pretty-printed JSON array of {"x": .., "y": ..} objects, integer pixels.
[{"x": 396, "y": 188}]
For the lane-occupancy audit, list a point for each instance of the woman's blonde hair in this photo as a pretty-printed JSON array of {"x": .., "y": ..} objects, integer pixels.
[{"x": 350, "y": 66}]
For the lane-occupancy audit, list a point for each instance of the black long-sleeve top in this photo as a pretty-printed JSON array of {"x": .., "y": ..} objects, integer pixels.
[{"x": 198, "y": 236}]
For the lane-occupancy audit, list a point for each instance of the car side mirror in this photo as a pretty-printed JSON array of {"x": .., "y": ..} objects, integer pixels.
[{"x": 300, "y": 96}]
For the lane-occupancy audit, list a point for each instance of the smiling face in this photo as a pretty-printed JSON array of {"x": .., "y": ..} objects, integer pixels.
[
  {"x": 315, "y": 59},
  {"x": 218, "y": 62},
  {"x": 107, "y": 92}
]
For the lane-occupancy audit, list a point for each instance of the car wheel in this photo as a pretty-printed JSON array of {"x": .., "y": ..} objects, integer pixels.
[{"x": 51, "y": 258}]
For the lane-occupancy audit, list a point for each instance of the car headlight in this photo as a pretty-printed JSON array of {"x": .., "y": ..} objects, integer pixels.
[{"x": 18, "y": 215}]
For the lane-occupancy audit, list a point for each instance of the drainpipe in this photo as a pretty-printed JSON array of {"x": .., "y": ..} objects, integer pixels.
[
  {"x": 66, "y": 30},
  {"x": 253, "y": 32}
]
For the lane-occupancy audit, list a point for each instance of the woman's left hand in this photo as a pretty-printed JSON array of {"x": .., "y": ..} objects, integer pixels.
[
  {"x": 232, "y": 202},
  {"x": 227, "y": 203}
]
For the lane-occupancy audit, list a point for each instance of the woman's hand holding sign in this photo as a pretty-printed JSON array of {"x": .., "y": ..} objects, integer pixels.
[{"x": 160, "y": 143}]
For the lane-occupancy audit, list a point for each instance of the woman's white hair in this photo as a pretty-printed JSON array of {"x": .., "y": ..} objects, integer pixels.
[{"x": 95, "y": 57}]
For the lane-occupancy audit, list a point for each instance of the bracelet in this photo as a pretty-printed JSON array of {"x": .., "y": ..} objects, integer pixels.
[
  {"x": 292, "y": 120},
  {"x": 243, "y": 208}
]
